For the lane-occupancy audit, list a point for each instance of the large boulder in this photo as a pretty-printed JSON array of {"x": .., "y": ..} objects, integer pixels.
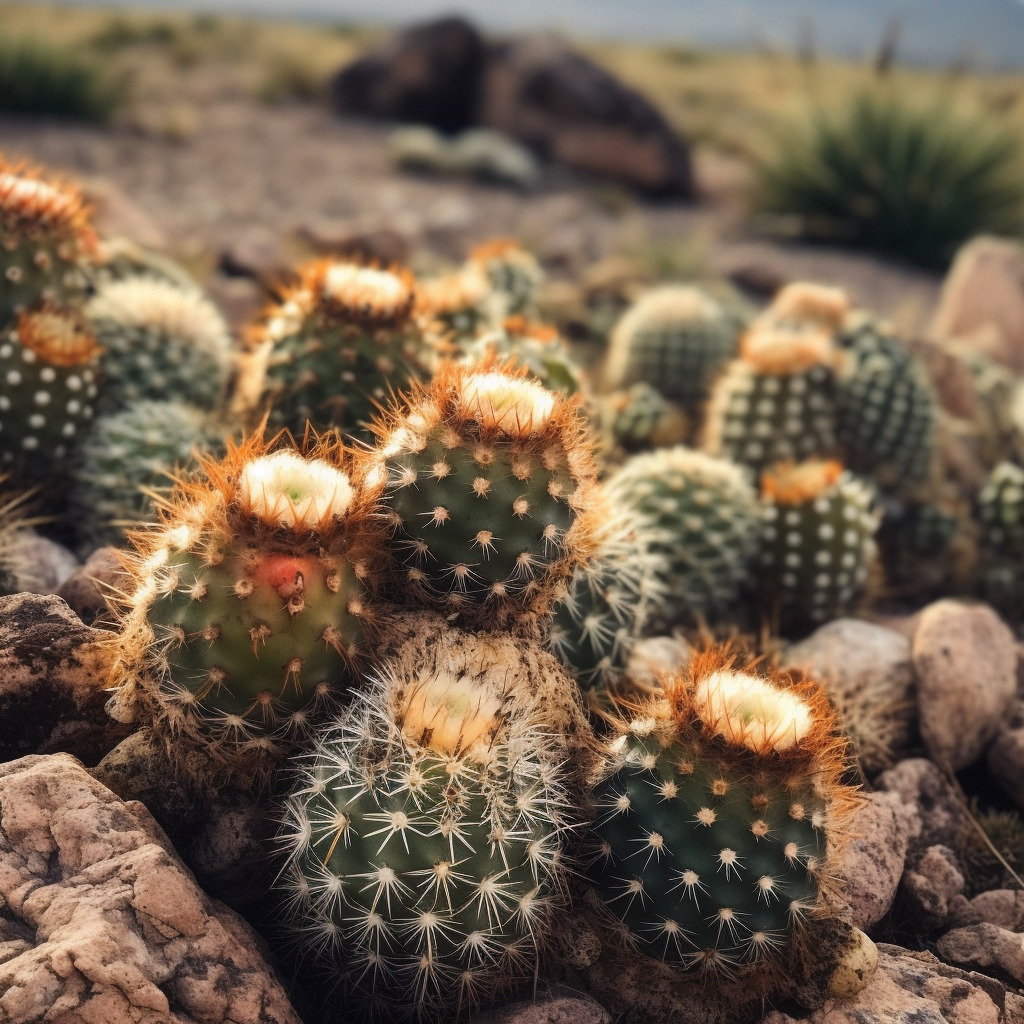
[
  {"x": 101, "y": 922},
  {"x": 429, "y": 74},
  {"x": 575, "y": 113}
]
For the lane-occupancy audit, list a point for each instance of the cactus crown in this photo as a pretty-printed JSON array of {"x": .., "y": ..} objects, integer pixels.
[
  {"x": 30, "y": 203},
  {"x": 786, "y": 350},
  {"x": 58, "y": 338},
  {"x": 793, "y": 483},
  {"x": 809, "y": 304}
]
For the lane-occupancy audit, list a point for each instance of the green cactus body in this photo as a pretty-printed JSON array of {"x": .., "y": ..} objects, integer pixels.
[
  {"x": 161, "y": 342},
  {"x": 1001, "y": 511},
  {"x": 456, "y": 306},
  {"x": 45, "y": 244},
  {"x": 340, "y": 344},
  {"x": 914, "y": 540},
  {"x": 886, "y": 411},
  {"x": 514, "y": 275},
  {"x": 606, "y": 609},
  {"x": 425, "y": 845},
  {"x": 47, "y": 392},
  {"x": 817, "y": 542},
  {"x": 676, "y": 339},
  {"x": 248, "y": 613},
  {"x": 120, "y": 259},
  {"x": 127, "y": 456},
  {"x": 707, "y": 514},
  {"x": 640, "y": 417},
  {"x": 535, "y": 346},
  {"x": 713, "y": 822},
  {"x": 776, "y": 402},
  {"x": 485, "y": 479}
]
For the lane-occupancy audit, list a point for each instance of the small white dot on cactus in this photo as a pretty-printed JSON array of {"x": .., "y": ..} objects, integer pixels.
[
  {"x": 826, "y": 531},
  {"x": 73, "y": 383},
  {"x": 41, "y": 398},
  {"x": 37, "y": 421},
  {"x": 28, "y": 356},
  {"x": 5, "y": 351},
  {"x": 13, "y": 377},
  {"x": 30, "y": 443},
  {"x": 706, "y": 816}
]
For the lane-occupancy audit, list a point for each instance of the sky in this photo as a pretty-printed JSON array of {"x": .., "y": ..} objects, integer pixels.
[{"x": 985, "y": 33}]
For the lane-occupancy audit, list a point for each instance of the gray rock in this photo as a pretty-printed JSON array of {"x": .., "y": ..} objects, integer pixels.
[
  {"x": 47, "y": 563},
  {"x": 53, "y": 674},
  {"x": 429, "y": 74},
  {"x": 937, "y": 815},
  {"x": 1002, "y": 907},
  {"x": 868, "y": 673},
  {"x": 562, "y": 1007},
  {"x": 88, "y": 590},
  {"x": 929, "y": 888},
  {"x": 1006, "y": 755},
  {"x": 966, "y": 663},
  {"x": 572, "y": 112},
  {"x": 871, "y": 864},
  {"x": 104, "y": 923}
]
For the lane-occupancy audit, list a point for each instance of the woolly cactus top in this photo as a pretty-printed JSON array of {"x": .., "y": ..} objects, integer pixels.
[
  {"x": 31, "y": 203},
  {"x": 809, "y": 304},
  {"x": 369, "y": 292},
  {"x": 791, "y": 483},
  {"x": 57, "y": 338},
  {"x": 460, "y": 290},
  {"x": 786, "y": 350}
]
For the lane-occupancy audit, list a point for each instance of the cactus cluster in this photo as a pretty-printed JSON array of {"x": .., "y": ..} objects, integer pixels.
[{"x": 1001, "y": 511}]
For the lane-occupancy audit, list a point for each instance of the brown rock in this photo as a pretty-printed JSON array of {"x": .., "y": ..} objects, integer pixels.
[
  {"x": 429, "y": 74},
  {"x": 88, "y": 589},
  {"x": 966, "y": 663},
  {"x": 982, "y": 300},
  {"x": 111, "y": 926},
  {"x": 562, "y": 1007},
  {"x": 868, "y": 673},
  {"x": 360, "y": 239},
  {"x": 1002, "y": 907},
  {"x": 871, "y": 865},
  {"x": 929, "y": 888},
  {"x": 570, "y": 111},
  {"x": 985, "y": 947},
  {"x": 47, "y": 563},
  {"x": 936, "y": 812},
  {"x": 53, "y": 674},
  {"x": 1006, "y": 755}
]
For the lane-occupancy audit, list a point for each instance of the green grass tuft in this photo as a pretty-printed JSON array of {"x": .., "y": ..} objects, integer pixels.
[
  {"x": 37, "y": 77},
  {"x": 914, "y": 181}
]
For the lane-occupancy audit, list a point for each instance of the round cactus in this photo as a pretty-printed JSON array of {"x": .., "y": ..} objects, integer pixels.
[
  {"x": 706, "y": 513},
  {"x": 337, "y": 346},
  {"x": 1001, "y": 511},
  {"x": 536, "y": 346},
  {"x": 606, "y": 609},
  {"x": 486, "y": 479},
  {"x": 718, "y": 816},
  {"x": 676, "y": 339},
  {"x": 640, "y": 417},
  {"x": 247, "y": 610},
  {"x": 807, "y": 305},
  {"x": 514, "y": 274},
  {"x": 456, "y": 305},
  {"x": 886, "y": 412},
  {"x": 425, "y": 837},
  {"x": 126, "y": 457},
  {"x": 121, "y": 259},
  {"x": 161, "y": 342},
  {"x": 776, "y": 401},
  {"x": 817, "y": 542},
  {"x": 47, "y": 391},
  {"x": 46, "y": 242}
]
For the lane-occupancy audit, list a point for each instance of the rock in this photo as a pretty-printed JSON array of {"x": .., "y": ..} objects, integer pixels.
[
  {"x": 985, "y": 947},
  {"x": 363, "y": 238},
  {"x": 116, "y": 214},
  {"x": 936, "y": 813},
  {"x": 982, "y": 300},
  {"x": 929, "y": 888},
  {"x": 88, "y": 589},
  {"x": 570, "y": 111},
  {"x": 429, "y": 74},
  {"x": 563, "y": 1007},
  {"x": 112, "y": 926},
  {"x": 1006, "y": 755},
  {"x": 869, "y": 675},
  {"x": 1002, "y": 907},
  {"x": 48, "y": 564},
  {"x": 53, "y": 671},
  {"x": 871, "y": 864},
  {"x": 917, "y": 987},
  {"x": 966, "y": 663},
  {"x": 259, "y": 254}
]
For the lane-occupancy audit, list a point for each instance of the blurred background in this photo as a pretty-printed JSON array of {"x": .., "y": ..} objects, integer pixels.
[{"x": 760, "y": 141}]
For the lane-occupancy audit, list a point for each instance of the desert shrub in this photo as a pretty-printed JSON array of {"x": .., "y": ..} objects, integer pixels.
[
  {"x": 913, "y": 180},
  {"x": 37, "y": 77}
]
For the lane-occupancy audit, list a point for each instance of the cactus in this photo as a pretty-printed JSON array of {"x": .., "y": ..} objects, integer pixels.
[
  {"x": 46, "y": 243},
  {"x": 916, "y": 541},
  {"x": 17, "y": 573},
  {"x": 425, "y": 836},
  {"x": 337, "y": 345},
  {"x": 121, "y": 259},
  {"x": 817, "y": 542},
  {"x": 246, "y": 609},
  {"x": 777, "y": 400},
  {"x": 486, "y": 479},
  {"x": 161, "y": 342},
  {"x": 609, "y": 600},
  {"x": 718, "y": 816},
  {"x": 47, "y": 391},
  {"x": 886, "y": 412},
  {"x": 513, "y": 273},
  {"x": 536, "y": 346},
  {"x": 456, "y": 306},
  {"x": 807, "y": 305},
  {"x": 676, "y": 339},
  {"x": 707, "y": 516},
  {"x": 125, "y": 458},
  {"x": 1001, "y": 512}
]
